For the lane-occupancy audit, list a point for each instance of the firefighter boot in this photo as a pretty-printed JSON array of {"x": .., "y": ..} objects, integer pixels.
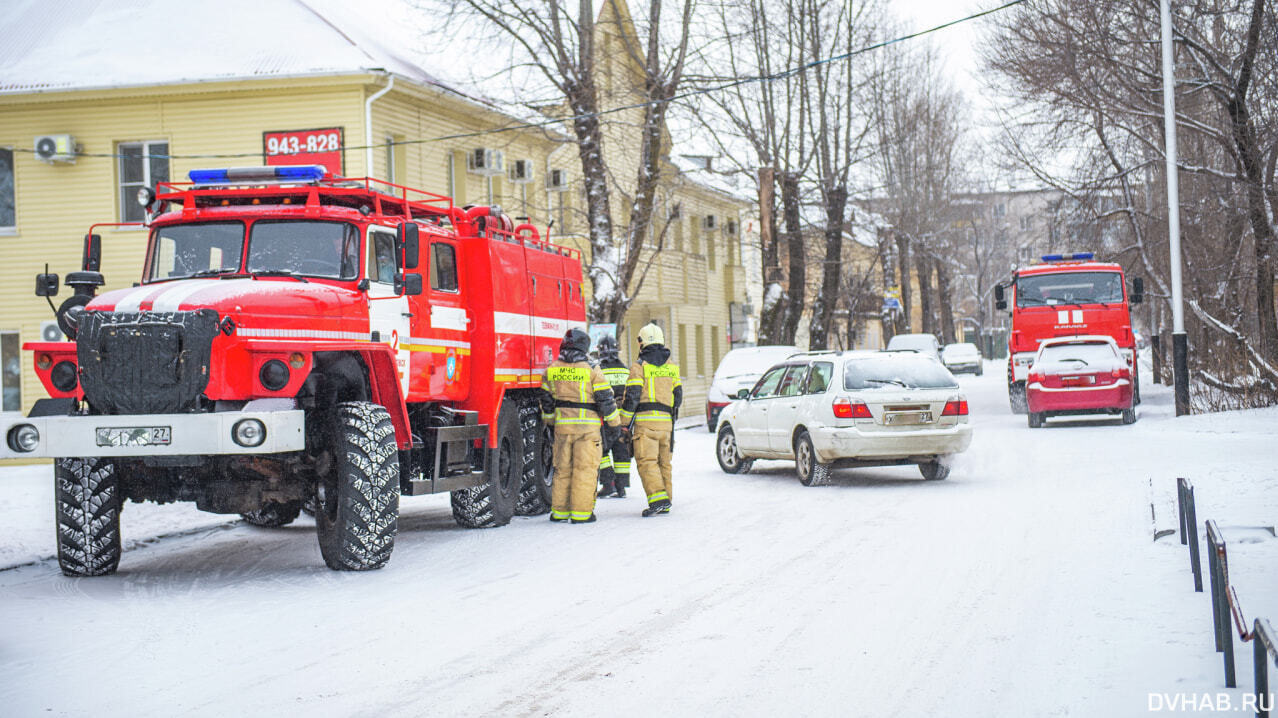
[
  {"x": 607, "y": 481},
  {"x": 659, "y": 507}
]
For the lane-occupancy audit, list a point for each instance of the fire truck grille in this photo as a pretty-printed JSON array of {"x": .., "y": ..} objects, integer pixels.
[{"x": 145, "y": 363}]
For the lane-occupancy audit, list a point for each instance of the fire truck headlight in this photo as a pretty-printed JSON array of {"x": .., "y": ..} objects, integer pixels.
[
  {"x": 146, "y": 196},
  {"x": 24, "y": 438},
  {"x": 274, "y": 375},
  {"x": 249, "y": 432},
  {"x": 63, "y": 376}
]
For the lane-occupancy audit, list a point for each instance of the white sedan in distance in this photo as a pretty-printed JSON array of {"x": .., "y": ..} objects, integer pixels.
[
  {"x": 739, "y": 370},
  {"x": 962, "y": 356},
  {"x": 828, "y": 410}
]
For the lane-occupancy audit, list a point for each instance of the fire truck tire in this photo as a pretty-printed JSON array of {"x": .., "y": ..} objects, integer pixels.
[
  {"x": 1016, "y": 397},
  {"x": 1135, "y": 382},
  {"x": 493, "y": 503},
  {"x": 539, "y": 466},
  {"x": 358, "y": 491},
  {"x": 274, "y": 514},
  {"x": 1035, "y": 419},
  {"x": 934, "y": 470},
  {"x": 88, "y": 507}
]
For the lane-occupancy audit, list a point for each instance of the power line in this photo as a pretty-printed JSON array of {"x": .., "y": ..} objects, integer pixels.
[{"x": 780, "y": 75}]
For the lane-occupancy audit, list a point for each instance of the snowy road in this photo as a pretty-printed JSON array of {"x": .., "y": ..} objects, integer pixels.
[{"x": 1025, "y": 584}]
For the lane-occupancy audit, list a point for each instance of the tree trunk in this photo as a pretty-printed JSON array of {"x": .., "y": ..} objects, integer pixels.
[
  {"x": 823, "y": 310},
  {"x": 903, "y": 272},
  {"x": 796, "y": 294},
  {"x": 945, "y": 299},
  {"x": 923, "y": 265}
]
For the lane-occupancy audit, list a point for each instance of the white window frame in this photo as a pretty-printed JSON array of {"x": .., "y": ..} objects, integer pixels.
[
  {"x": 4, "y": 358},
  {"x": 147, "y": 181}
]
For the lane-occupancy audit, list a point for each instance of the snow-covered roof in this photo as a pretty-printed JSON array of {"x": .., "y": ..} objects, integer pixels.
[
  {"x": 53, "y": 45},
  {"x": 693, "y": 168}
]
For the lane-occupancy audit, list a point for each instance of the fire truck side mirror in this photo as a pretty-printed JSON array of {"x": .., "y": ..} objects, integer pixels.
[
  {"x": 406, "y": 240},
  {"x": 408, "y": 284},
  {"x": 1000, "y": 302},
  {"x": 46, "y": 285},
  {"x": 92, "y": 253},
  {"x": 1138, "y": 290}
]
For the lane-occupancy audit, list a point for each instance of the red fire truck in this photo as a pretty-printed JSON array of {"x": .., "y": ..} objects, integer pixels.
[
  {"x": 299, "y": 339},
  {"x": 1066, "y": 295}
]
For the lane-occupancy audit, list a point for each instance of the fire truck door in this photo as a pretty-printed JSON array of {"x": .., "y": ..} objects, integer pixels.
[
  {"x": 450, "y": 322},
  {"x": 388, "y": 315}
]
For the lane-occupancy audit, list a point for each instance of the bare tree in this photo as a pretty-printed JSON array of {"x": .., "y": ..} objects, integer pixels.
[{"x": 561, "y": 46}]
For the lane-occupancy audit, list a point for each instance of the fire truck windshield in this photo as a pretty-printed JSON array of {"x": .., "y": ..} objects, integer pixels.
[
  {"x": 287, "y": 247},
  {"x": 1069, "y": 288}
]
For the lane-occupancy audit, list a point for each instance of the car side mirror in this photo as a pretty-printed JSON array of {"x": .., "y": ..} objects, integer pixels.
[
  {"x": 408, "y": 284},
  {"x": 407, "y": 240},
  {"x": 743, "y": 393},
  {"x": 1138, "y": 290},
  {"x": 46, "y": 285}
]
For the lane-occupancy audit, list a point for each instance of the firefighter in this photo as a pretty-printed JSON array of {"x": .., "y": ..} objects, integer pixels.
[
  {"x": 578, "y": 402},
  {"x": 653, "y": 395},
  {"x": 614, "y": 469}
]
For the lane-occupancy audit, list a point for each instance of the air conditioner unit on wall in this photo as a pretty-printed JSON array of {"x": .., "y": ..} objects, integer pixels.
[
  {"x": 521, "y": 171},
  {"x": 484, "y": 161},
  {"x": 50, "y": 332},
  {"x": 55, "y": 148},
  {"x": 557, "y": 180},
  {"x": 709, "y": 222}
]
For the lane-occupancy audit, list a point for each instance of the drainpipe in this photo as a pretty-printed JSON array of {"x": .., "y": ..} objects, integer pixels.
[{"x": 368, "y": 126}]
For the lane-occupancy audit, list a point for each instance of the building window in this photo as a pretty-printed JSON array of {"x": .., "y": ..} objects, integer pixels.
[
  {"x": 714, "y": 346},
  {"x": 8, "y": 215},
  {"x": 10, "y": 372},
  {"x": 711, "y": 259},
  {"x": 701, "y": 350},
  {"x": 142, "y": 164},
  {"x": 390, "y": 161},
  {"x": 1026, "y": 223},
  {"x": 1000, "y": 209},
  {"x": 683, "y": 346}
]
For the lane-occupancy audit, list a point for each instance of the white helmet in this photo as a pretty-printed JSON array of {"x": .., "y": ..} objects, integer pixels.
[{"x": 651, "y": 334}]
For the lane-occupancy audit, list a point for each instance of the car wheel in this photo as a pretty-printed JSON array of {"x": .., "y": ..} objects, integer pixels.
[
  {"x": 730, "y": 459},
  {"x": 934, "y": 470},
  {"x": 1129, "y": 416},
  {"x": 1035, "y": 419},
  {"x": 980, "y": 371},
  {"x": 1016, "y": 397},
  {"x": 811, "y": 471}
]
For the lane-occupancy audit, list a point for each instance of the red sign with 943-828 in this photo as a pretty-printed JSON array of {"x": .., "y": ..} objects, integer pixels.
[{"x": 306, "y": 147}]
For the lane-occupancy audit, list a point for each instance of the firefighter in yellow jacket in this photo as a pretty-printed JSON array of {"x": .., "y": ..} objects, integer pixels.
[
  {"x": 577, "y": 399},
  {"x": 654, "y": 392}
]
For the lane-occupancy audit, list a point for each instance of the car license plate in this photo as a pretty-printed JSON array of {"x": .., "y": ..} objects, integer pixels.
[
  {"x": 135, "y": 436},
  {"x": 1078, "y": 380},
  {"x": 908, "y": 417}
]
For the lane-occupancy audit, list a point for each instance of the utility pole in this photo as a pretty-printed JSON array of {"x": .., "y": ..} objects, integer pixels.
[{"x": 1180, "y": 343}]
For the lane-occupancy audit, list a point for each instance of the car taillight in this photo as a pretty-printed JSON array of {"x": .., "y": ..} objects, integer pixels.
[
  {"x": 1035, "y": 377},
  {"x": 955, "y": 408},
  {"x": 1121, "y": 373},
  {"x": 845, "y": 409}
]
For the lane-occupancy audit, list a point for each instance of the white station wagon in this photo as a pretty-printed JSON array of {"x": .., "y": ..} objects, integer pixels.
[{"x": 826, "y": 410}]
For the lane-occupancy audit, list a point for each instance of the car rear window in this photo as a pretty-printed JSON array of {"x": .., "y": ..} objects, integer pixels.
[
  {"x": 1089, "y": 353},
  {"x": 900, "y": 371}
]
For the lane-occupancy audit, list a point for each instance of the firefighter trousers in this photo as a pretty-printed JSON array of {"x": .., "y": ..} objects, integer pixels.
[
  {"x": 619, "y": 464},
  {"x": 652, "y": 454},
  {"x": 572, "y": 493}
]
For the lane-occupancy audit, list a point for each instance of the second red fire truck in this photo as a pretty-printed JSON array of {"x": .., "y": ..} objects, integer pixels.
[{"x": 1066, "y": 295}]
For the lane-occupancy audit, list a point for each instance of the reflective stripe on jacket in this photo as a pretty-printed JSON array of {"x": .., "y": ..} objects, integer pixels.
[
  {"x": 576, "y": 398},
  {"x": 653, "y": 392}
]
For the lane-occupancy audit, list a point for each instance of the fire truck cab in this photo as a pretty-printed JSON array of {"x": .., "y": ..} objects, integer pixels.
[
  {"x": 1066, "y": 295},
  {"x": 298, "y": 339}
]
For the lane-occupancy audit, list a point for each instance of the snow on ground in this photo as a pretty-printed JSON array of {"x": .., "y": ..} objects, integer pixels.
[{"x": 1027, "y": 583}]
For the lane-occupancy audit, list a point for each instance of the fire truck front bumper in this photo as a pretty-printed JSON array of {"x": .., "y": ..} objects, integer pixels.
[{"x": 229, "y": 432}]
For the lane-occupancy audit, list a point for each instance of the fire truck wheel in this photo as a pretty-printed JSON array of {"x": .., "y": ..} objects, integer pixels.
[
  {"x": 88, "y": 506},
  {"x": 1135, "y": 383},
  {"x": 1016, "y": 397},
  {"x": 538, "y": 462},
  {"x": 274, "y": 514},
  {"x": 1035, "y": 419},
  {"x": 358, "y": 492},
  {"x": 934, "y": 471},
  {"x": 810, "y": 469},
  {"x": 493, "y": 503}
]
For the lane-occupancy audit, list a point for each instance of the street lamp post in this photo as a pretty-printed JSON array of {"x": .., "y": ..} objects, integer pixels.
[{"x": 1180, "y": 344}]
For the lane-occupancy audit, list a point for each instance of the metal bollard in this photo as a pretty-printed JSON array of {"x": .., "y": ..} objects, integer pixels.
[
  {"x": 1218, "y": 565},
  {"x": 1189, "y": 532},
  {"x": 1263, "y": 636}
]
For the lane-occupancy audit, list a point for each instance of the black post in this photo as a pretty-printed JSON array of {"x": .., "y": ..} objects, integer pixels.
[
  {"x": 1156, "y": 351},
  {"x": 1191, "y": 530},
  {"x": 1219, "y": 562},
  {"x": 1180, "y": 509},
  {"x": 1180, "y": 371},
  {"x": 1260, "y": 666}
]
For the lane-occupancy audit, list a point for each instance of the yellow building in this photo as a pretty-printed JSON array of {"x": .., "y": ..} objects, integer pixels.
[{"x": 123, "y": 114}]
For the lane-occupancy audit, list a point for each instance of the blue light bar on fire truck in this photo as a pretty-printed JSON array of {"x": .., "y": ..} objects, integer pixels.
[
  {"x": 278, "y": 173},
  {"x": 1073, "y": 257}
]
